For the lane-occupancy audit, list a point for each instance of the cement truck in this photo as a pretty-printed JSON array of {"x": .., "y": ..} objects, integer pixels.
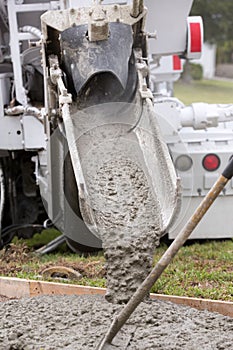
[{"x": 83, "y": 138}]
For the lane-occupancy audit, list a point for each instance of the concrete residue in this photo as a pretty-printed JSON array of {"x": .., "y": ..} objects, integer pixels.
[{"x": 79, "y": 322}]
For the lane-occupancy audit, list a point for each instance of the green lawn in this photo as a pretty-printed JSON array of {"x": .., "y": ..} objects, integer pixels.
[
  {"x": 202, "y": 270},
  {"x": 209, "y": 91}
]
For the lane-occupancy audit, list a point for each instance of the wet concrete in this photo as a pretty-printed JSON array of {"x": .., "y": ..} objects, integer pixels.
[
  {"x": 79, "y": 323},
  {"x": 126, "y": 211}
]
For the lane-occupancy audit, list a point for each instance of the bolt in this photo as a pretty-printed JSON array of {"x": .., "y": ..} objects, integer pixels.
[{"x": 152, "y": 35}]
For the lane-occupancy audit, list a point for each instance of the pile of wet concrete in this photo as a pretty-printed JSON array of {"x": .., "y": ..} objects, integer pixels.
[{"x": 79, "y": 323}]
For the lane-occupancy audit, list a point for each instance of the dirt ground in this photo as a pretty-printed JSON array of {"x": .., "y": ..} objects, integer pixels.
[{"x": 18, "y": 258}]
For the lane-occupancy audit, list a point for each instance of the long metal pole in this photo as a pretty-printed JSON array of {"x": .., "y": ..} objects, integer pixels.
[
  {"x": 137, "y": 8},
  {"x": 167, "y": 257},
  {"x": 2, "y": 199}
]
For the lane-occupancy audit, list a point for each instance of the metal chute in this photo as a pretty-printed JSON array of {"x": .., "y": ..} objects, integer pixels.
[
  {"x": 82, "y": 59},
  {"x": 105, "y": 137},
  {"x": 126, "y": 182}
]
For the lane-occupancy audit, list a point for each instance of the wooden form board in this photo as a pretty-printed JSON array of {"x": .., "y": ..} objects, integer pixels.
[{"x": 19, "y": 288}]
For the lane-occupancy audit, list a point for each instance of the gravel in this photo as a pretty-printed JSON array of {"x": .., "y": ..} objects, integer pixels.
[{"x": 79, "y": 322}]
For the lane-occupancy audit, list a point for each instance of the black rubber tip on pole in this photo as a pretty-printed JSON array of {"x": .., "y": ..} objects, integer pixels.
[{"x": 228, "y": 171}]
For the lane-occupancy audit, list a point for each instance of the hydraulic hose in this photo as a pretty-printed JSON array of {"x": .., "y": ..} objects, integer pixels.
[
  {"x": 8, "y": 232},
  {"x": 33, "y": 30}
]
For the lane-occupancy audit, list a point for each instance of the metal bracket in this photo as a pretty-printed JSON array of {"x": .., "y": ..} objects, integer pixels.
[
  {"x": 143, "y": 72},
  {"x": 98, "y": 26},
  {"x": 56, "y": 79}
]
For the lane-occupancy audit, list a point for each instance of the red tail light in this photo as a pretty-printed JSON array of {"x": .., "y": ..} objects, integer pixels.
[{"x": 211, "y": 162}]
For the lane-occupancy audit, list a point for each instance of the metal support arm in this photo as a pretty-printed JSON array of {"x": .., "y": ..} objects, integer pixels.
[{"x": 204, "y": 115}]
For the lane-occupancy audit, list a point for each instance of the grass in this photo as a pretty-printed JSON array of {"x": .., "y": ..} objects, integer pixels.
[
  {"x": 202, "y": 270},
  {"x": 209, "y": 91}
]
